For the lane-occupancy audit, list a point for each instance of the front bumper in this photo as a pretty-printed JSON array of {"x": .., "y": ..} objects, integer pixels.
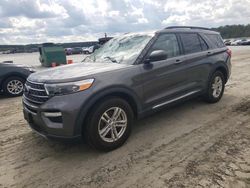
[
  {"x": 56, "y": 118},
  {"x": 41, "y": 129}
]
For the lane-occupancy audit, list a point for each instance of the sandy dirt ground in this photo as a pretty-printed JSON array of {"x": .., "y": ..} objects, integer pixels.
[{"x": 191, "y": 145}]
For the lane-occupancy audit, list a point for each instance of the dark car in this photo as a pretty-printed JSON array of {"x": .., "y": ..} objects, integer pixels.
[
  {"x": 247, "y": 42},
  {"x": 13, "y": 77},
  {"x": 129, "y": 77},
  {"x": 77, "y": 50}
]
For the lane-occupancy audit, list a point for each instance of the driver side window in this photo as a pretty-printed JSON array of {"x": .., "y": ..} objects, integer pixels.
[{"x": 168, "y": 43}]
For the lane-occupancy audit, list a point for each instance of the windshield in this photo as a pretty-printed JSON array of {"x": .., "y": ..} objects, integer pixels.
[{"x": 123, "y": 49}]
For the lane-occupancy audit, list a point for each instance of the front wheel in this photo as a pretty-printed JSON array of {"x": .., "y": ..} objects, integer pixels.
[
  {"x": 109, "y": 124},
  {"x": 13, "y": 86},
  {"x": 215, "y": 88}
]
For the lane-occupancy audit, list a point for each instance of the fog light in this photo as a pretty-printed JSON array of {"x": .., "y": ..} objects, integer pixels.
[
  {"x": 53, "y": 119},
  {"x": 52, "y": 114}
]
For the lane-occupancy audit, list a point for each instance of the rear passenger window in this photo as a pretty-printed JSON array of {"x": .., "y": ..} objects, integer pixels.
[
  {"x": 168, "y": 43},
  {"x": 216, "y": 40},
  {"x": 204, "y": 45},
  {"x": 191, "y": 43}
]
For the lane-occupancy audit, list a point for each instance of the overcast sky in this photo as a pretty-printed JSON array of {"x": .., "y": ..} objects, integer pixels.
[{"x": 37, "y": 21}]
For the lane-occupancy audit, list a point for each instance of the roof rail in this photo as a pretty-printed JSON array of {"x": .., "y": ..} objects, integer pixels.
[{"x": 188, "y": 27}]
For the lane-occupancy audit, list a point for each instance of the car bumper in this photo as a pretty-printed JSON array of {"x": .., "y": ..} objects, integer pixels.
[
  {"x": 56, "y": 118},
  {"x": 40, "y": 130}
]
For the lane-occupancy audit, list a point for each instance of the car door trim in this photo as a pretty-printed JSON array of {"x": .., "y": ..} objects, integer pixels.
[{"x": 176, "y": 99}]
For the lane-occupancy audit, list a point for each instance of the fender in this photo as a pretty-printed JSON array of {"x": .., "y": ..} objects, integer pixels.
[
  {"x": 109, "y": 91},
  {"x": 221, "y": 66}
]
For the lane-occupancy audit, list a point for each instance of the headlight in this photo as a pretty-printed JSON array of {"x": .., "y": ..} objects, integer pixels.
[{"x": 67, "y": 88}]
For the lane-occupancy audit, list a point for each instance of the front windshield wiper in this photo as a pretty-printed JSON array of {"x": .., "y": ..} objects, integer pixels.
[{"x": 111, "y": 59}]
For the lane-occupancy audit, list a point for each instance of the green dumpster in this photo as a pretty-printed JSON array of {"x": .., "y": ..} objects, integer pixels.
[{"x": 52, "y": 54}]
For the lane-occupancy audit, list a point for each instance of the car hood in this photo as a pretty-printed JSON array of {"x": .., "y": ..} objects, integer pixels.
[
  {"x": 73, "y": 72},
  {"x": 14, "y": 65}
]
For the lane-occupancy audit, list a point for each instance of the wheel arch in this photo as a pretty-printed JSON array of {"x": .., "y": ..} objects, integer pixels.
[
  {"x": 224, "y": 72},
  {"x": 223, "y": 69},
  {"x": 14, "y": 74},
  {"x": 121, "y": 92}
]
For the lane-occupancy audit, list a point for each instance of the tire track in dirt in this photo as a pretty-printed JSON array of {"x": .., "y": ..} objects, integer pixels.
[
  {"x": 157, "y": 162},
  {"x": 106, "y": 173}
]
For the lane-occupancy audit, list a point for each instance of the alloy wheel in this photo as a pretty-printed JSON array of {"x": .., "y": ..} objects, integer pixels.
[
  {"x": 15, "y": 87},
  {"x": 217, "y": 86},
  {"x": 112, "y": 124}
]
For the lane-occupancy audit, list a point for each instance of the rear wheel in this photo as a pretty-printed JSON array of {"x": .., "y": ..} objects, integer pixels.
[
  {"x": 215, "y": 88},
  {"x": 109, "y": 124},
  {"x": 13, "y": 86}
]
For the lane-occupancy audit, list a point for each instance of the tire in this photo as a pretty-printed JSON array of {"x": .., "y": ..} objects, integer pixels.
[
  {"x": 13, "y": 86},
  {"x": 214, "y": 95},
  {"x": 97, "y": 122}
]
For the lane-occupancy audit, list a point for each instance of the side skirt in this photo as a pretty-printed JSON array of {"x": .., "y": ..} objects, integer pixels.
[{"x": 175, "y": 99}]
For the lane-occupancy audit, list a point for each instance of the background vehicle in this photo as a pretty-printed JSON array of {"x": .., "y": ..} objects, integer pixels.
[
  {"x": 246, "y": 42},
  {"x": 86, "y": 50},
  {"x": 103, "y": 40},
  {"x": 236, "y": 42},
  {"x": 68, "y": 51},
  {"x": 77, "y": 50},
  {"x": 129, "y": 77},
  {"x": 13, "y": 77},
  {"x": 242, "y": 41},
  {"x": 91, "y": 49},
  {"x": 227, "y": 42}
]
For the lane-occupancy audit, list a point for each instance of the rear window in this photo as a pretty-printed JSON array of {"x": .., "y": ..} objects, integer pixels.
[
  {"x": 204, "y": 45},
  {"x": 192, "y": 43},
  {"x": 216, "y": 40}
]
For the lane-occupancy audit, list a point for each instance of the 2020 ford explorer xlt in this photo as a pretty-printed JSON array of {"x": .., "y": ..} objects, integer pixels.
[{"x": 129, "y": 77}]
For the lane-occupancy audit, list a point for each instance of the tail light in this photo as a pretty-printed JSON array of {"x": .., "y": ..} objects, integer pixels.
[{"x": 229, "y": 52}]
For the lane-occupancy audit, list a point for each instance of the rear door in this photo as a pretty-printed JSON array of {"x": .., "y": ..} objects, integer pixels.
[
  {"x": 196, "y": 61},
  {"x": 166, "y": 79}
]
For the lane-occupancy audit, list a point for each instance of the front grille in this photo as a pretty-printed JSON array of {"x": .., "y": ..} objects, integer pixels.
[
  {"x": 28, "y": 108},
  {"x": 35, "y": 93}
]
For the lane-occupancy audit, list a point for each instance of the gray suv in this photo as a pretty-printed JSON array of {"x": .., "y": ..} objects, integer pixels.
[{"x": 129, "y": 77}]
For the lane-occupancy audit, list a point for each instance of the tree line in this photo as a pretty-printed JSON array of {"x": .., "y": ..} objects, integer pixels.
[{"x": 234, "y": 31}]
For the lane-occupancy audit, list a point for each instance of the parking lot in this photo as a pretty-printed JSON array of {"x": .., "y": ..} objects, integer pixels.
[
  {"x": 32, "y": 59},
  {"x": 194, "y": 144}
]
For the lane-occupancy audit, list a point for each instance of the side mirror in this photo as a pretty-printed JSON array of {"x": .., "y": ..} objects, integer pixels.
[{"x": 157, "y": 55}]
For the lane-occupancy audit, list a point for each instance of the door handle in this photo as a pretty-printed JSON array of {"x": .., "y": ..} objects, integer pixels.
[
  {"x": 209, "y": 53},
  {"x": 178, "y": 61}
]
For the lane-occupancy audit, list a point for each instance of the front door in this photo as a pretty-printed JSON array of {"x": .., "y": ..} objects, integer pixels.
[{"x": 166, "y": 79}]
